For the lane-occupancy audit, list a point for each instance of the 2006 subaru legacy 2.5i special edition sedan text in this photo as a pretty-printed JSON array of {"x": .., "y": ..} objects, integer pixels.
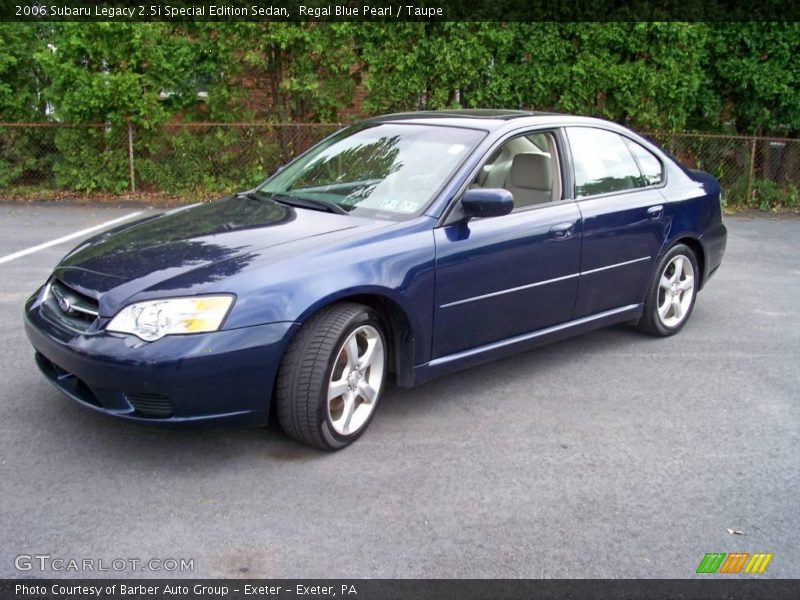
[{"x": 412, "y": 244}]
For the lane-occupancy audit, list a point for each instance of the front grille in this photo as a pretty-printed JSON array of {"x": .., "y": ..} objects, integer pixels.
[
  {"x": 151, "y": 405},
  {"x": 71, "y": 307}
]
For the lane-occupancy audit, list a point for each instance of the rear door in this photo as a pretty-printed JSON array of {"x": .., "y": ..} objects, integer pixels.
[{"x": 617, "y": 188}]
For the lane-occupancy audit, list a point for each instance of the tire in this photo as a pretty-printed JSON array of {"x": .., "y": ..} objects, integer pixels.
[
  {"x": 340, "y": 349},
  {"x": 671, "y": 293}
]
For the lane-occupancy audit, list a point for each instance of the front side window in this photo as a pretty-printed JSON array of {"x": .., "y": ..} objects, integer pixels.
[
  {"x": 602, "y": 162},
  {"x": 385, "y": 169},
  {"x": 527, "y": 166}
]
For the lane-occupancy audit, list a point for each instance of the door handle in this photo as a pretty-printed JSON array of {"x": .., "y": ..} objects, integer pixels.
[
  {"x": 562, "y": 231},
  {"x": 655, "y": 212}
]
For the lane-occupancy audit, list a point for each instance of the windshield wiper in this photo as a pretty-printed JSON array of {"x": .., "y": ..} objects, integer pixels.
[{"x": 311, "y": 203}]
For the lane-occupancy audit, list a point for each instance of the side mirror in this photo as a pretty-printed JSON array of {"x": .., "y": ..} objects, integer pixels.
[{"x": 489, "y": 202}]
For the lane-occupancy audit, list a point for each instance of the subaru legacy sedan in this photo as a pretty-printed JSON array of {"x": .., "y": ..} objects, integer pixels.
[{"x": 405, "y": 246}]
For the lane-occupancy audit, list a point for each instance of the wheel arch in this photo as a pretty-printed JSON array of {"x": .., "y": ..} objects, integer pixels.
[
  {"x": 696, "y": 245},
  {"x": 397, "y": 324}
]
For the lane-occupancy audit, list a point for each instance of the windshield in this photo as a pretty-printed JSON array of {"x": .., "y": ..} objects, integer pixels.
[{"x": 388, "y": 169}]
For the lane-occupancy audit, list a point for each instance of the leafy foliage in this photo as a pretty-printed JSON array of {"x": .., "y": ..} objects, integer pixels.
[
  {"x": 108, "y": 74},
  {"x": 220, "y": 159},
  {"x": 90, "y": 159},
  {"x": 20, "y": 76},
  {"x": 20, "y": 82},
  {"x": 730, "y": 77},
  {"x": 754, "y": 76},
  {"x": 666, "y": 75},
  {"x": 280, "y": 71},
  {"x": 768, "y": 195}
]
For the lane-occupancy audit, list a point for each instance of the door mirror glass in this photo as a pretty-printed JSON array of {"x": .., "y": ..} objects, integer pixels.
[{"x": 486, "y": 202}]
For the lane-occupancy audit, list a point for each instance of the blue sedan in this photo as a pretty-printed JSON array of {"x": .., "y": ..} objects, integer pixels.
[{"x": 409, "y": 245}]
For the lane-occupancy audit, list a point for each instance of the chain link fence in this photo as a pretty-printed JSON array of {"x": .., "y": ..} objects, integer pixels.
[
  {"x": 215, "y": 157},
  {"x": 756, "y": 172},
  {"x": 45, "y": 160},
  {"x": 182, "y": 160}
]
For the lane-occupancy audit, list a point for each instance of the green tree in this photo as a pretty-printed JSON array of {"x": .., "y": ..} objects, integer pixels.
[
  {"x": 411, "y": 66},
  {"x": 111, "y": 74},
  {"x": 114, "y": 72},
  {"x": 24, "y": 153},
  {"x": 645, "y": 74},
  {"x": 287, "y": 71},
  {"x": 754, "y": 73},
  {"x": 21, "y": 79}
]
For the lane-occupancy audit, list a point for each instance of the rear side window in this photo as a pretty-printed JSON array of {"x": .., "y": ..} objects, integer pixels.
[
  {"x": 652, "y": 171},
  {"x": 602, "y": 162}
]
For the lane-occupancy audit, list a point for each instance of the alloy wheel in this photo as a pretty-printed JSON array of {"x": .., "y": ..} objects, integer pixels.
[
  {"x": 355, "y": 381},
  {"x": 676, "y": 291}
]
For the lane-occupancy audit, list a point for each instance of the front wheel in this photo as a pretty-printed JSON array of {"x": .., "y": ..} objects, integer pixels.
[
  {"x": 672, "y": 292},
  {"x": 332, "y": 377}
]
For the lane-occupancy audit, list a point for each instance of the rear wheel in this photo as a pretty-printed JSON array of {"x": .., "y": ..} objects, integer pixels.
[
  {"x": 332, "y": 377},
  {"x": 672, "y": 292}
]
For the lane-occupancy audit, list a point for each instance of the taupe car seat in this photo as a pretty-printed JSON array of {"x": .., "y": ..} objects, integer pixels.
[{"x": 530, "y": 179}]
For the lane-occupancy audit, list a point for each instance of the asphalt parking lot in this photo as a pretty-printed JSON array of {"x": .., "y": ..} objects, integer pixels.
[{"x": 608, "y": 455}]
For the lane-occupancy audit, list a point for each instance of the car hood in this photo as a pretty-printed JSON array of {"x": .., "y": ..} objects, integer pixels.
[{"x": 230, "y": 232}]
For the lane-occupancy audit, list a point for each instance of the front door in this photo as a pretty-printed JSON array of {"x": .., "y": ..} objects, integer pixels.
[{"x": 505, "y": 276}]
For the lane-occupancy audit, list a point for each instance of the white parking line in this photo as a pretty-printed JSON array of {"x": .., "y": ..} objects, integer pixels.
[{"x": 69, "y": 237}]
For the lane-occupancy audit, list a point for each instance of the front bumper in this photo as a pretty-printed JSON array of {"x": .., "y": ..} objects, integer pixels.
[{"x": 226, "y": 376}]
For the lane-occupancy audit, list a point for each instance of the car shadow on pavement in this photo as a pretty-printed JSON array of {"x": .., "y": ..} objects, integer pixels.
[
  {"x": 82, "y": 432},
  {"x": 474, "y": 382}
]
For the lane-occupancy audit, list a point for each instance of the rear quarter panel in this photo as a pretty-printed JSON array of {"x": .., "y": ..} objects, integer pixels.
[{"x": 693, "y": 211}]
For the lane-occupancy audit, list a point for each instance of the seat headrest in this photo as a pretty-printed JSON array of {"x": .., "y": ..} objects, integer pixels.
[{"x": 531, "y": 171}]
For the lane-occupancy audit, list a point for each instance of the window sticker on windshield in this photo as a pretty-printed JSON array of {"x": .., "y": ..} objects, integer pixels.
[
  {"x": 389, "y": 204},
  {"x": 455, "y": 149}
]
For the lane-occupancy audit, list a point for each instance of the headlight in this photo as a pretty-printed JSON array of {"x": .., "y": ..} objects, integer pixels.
[{"x": 154, "y": 319}]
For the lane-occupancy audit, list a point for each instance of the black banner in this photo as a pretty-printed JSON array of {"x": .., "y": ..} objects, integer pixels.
[
  {"x": 401, "y": 589},
  {"x": 399, "y": 10}
]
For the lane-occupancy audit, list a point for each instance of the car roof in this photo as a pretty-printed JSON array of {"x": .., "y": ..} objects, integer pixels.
[
  {"x": 487, "y": 119},
  {"x": 466, "y": 113}
]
